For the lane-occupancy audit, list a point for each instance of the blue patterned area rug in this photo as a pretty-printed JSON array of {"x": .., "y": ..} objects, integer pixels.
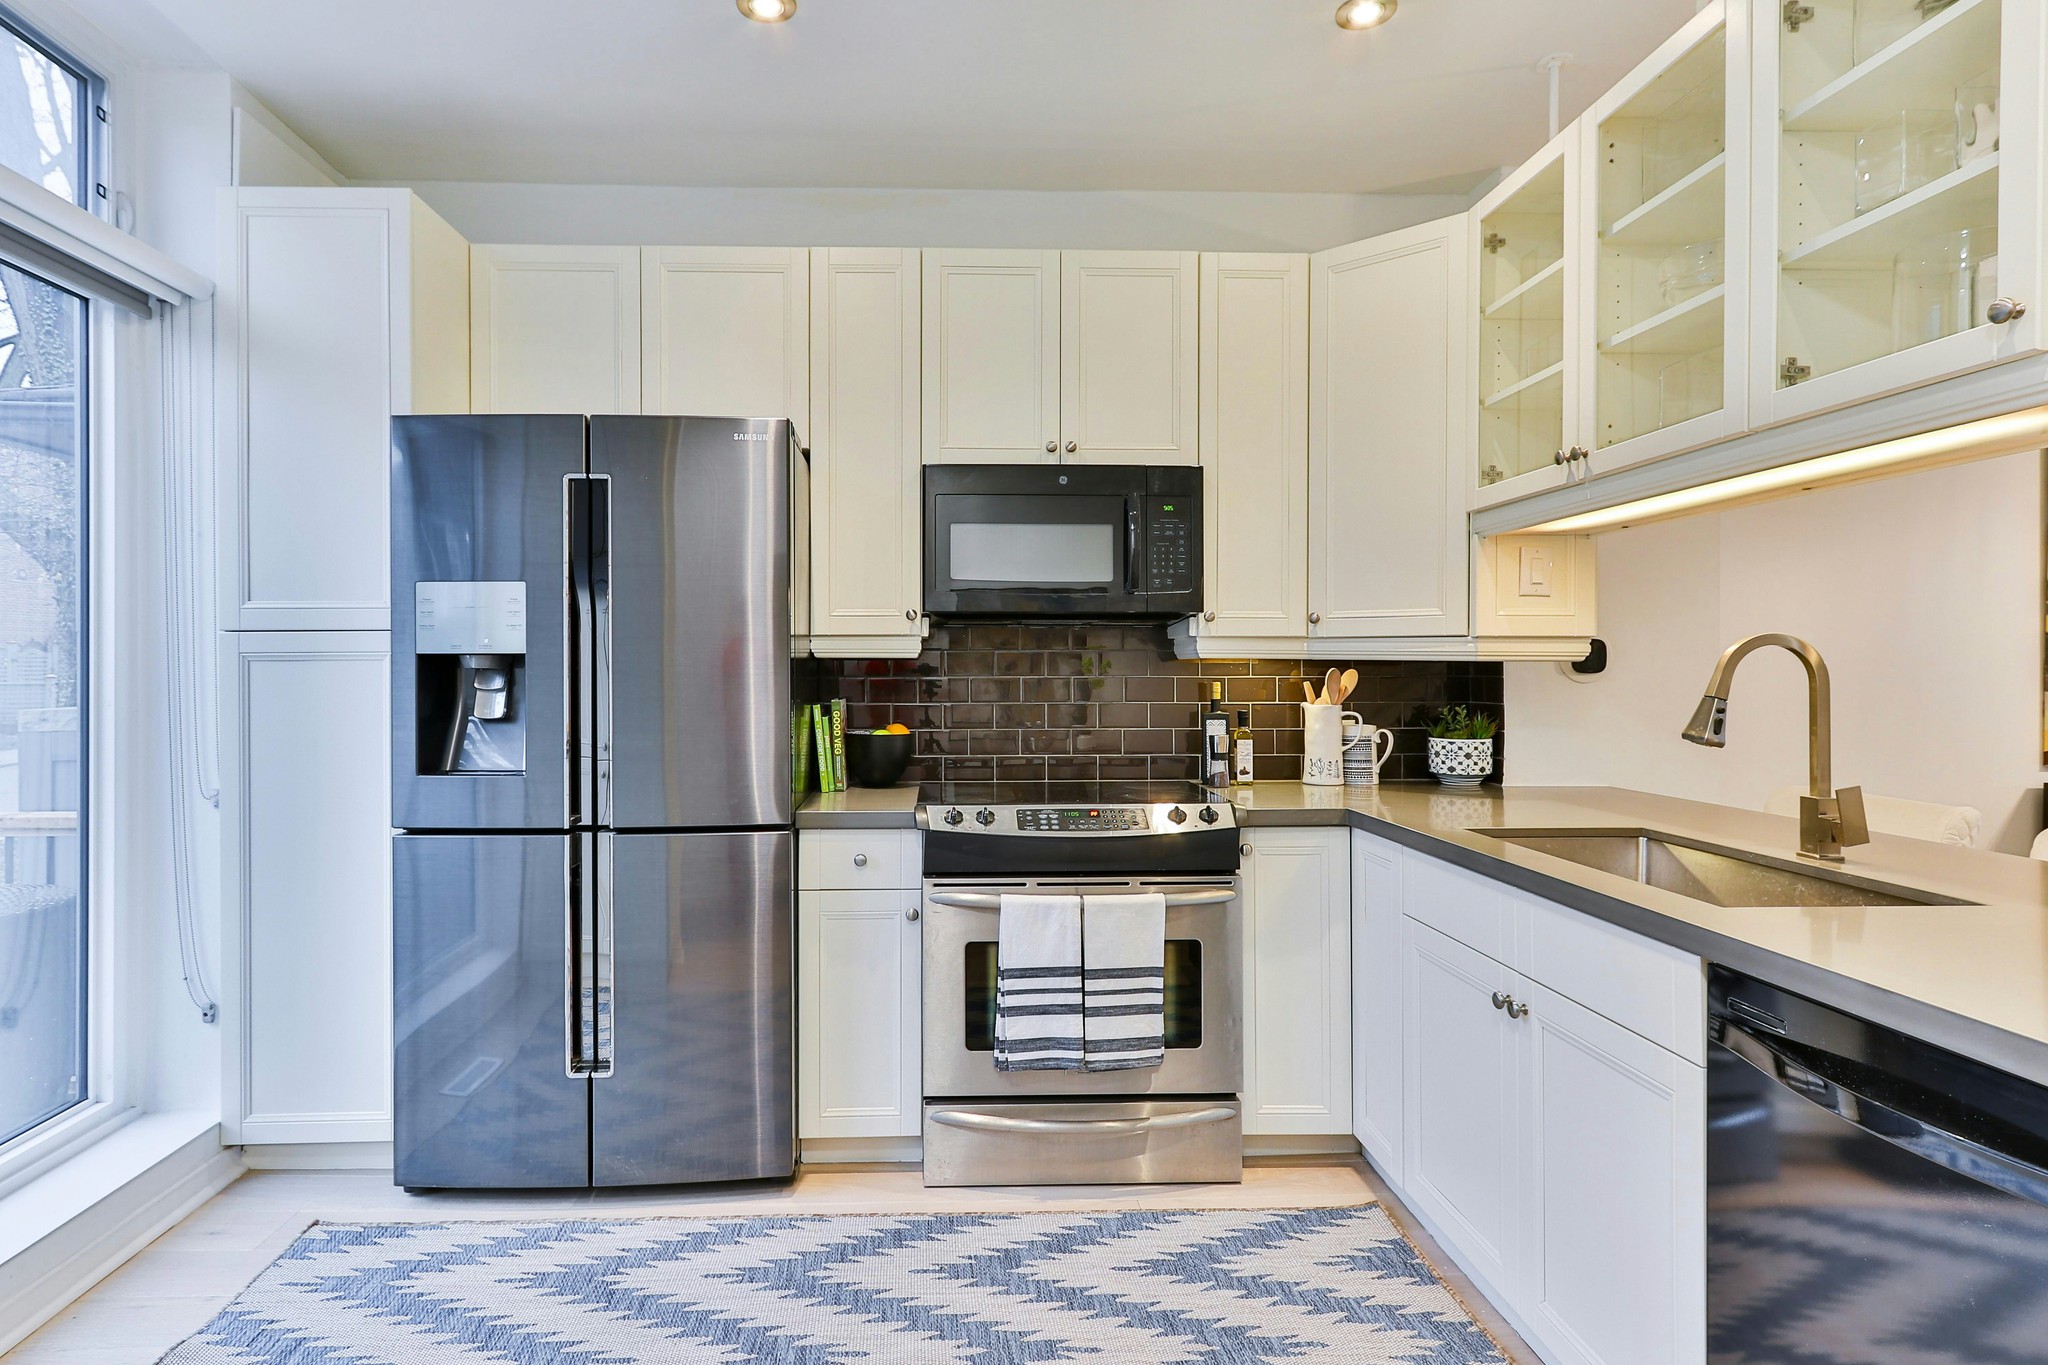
[{"x": 1305, "y": 1286}]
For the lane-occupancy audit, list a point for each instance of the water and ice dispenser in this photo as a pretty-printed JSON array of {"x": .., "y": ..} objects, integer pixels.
[{"x": 469, "y": 651}]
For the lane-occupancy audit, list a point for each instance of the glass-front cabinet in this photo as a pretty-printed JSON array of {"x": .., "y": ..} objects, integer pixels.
[
  {"x": 1666, "y": 185},
  {"x": 1526, "y": 287},
  {"x": 1899, "y": 157}
]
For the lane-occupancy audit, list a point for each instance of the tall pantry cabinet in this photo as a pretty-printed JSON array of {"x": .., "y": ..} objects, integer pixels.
[{"x": 337, "y": 309}]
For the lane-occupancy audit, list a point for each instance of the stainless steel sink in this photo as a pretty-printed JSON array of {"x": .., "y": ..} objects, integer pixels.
[{"x": 1709, "y": 873}]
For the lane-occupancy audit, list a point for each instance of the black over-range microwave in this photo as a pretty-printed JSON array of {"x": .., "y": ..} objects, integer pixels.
[{"x": 1062, "y": 540}]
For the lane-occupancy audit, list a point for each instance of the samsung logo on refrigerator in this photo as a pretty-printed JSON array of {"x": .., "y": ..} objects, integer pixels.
[{"x": 752, "y": 436}]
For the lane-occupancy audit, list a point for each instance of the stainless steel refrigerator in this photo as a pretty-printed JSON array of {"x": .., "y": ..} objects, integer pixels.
[{"x": 593, "y": 899}]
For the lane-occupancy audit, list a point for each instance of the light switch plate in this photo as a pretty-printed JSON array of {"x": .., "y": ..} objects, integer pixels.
[{"x": 1537, "y": 571}]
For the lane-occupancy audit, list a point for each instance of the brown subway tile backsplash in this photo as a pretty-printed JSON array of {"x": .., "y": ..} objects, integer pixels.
[{"x": 1023, "y": 708}]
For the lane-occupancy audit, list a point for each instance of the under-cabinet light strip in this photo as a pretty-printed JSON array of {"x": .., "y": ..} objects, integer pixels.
[{"x": 2007, "y": 435}]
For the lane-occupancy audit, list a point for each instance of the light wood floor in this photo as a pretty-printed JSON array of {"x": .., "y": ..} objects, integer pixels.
[{"x": 177, "y": 1283}]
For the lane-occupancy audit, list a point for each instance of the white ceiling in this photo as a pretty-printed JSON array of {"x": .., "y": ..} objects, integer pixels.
[{"x": 1243, "y": 95}]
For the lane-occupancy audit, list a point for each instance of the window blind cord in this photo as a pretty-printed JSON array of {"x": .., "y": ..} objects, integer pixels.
[{"x": 175, "y": 451}]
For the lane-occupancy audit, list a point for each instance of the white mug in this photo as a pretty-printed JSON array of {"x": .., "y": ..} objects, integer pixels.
[
  {"x": 1323, "y": 745},
  {"x": 1363, "y": 769}
]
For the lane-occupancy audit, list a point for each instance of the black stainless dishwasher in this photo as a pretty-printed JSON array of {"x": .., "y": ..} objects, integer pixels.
[{"x": 1872, "y": 1199}]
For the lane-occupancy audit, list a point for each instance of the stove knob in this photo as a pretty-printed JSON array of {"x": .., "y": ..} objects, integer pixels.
[
  {"x": 984, "y": 817},
  {"x": 1208, "y": 816},
  {"x": 954, "y": 817},
  {"x": 1177, "y": 815}
]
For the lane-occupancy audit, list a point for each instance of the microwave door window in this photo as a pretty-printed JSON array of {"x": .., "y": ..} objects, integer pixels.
[{"x": 1075, "y": 555}]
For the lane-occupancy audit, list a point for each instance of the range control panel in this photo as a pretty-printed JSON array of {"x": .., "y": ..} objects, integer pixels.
[{"x": 1081, "y": 820}]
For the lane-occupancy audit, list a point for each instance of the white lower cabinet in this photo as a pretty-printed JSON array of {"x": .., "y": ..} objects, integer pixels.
[
  {"x": 1612, "y": 1142},
  {"x": 1557, "y": 1153},
  {"x": 858, "y": 1010},
  {"x": 306, "y": 883},
  {"x": 1463, "y": 1075},
  {"x": 1297, "y": 981}
]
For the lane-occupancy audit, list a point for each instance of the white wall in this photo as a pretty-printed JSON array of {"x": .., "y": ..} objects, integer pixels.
[
  {"x": 1923, "y": 593},
  {"x": 1147, "y": 220}
]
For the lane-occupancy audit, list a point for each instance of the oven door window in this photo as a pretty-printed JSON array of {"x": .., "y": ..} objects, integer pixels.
[
  {"x": 1183, "y": 994},
  {"x": 1072, "y": 543}
]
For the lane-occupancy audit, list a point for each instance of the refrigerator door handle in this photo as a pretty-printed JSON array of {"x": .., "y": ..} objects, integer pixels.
[
  {"x": 600, "y": 677},
  {"x": 606, "y": 940},
  {"x": 581, "y": 958},
  {"x": 577, "y": 614}
]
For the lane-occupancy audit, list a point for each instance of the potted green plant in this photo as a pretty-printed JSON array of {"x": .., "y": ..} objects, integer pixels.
[{"x": 1461, "y": 746}]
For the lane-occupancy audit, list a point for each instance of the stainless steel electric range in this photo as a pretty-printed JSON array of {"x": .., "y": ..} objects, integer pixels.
[{"x": 1178, "y": 1122}]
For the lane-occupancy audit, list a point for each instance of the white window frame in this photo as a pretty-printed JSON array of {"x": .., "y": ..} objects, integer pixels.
[{"x": 98, "y": 113}]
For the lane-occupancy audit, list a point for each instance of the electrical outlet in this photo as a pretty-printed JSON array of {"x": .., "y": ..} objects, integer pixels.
[{"x": 1537, "y": 571}]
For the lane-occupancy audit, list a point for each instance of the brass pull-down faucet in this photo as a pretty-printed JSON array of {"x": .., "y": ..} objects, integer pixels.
[{"x": 1829, "y": 821}]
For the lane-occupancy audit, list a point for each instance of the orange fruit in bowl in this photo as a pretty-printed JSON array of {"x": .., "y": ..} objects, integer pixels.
[{"x": 897, "y": 729}]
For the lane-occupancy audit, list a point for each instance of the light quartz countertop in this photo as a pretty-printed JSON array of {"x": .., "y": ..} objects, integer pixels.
[{"x": 1972, "y": 978}]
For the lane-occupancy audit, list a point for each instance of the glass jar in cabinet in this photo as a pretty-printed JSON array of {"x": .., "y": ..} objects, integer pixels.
[
  {"x": 1525, "y": 283},
  {"x": 1666, "y": 195},
  {"x": 1899, "y": 195}
]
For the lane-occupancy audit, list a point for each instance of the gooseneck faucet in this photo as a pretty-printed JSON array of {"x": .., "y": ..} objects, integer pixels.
[{"x": 1829, "y": 820}]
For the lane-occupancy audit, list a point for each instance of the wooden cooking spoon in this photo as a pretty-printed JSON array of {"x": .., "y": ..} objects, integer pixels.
[
  {"x": 1330, "y": 693},
  {"x": 1345, "y": 685},
  {"x": 1309, "y": 690}
]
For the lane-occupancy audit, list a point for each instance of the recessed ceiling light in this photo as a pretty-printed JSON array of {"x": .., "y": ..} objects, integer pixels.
[
  {"x": 767, "y": 11},
  {"x": 1365, "y": 13}
]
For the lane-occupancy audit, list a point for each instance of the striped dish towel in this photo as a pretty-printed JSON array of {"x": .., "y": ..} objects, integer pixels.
[
  {"x": 1038, "y": 984},
  {"x": 1124, "y": 982}
]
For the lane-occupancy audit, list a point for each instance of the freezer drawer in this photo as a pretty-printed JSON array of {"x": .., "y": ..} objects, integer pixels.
[
  {"x": 1111, "y": 1142},
  {"x": 703, "y": 1045},
  {"x": 483, "y": 1096}
]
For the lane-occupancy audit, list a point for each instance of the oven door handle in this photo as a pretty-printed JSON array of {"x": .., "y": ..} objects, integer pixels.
[
  {"x": 998, "y": 1123},
  {"x": 983, "y": 900}
]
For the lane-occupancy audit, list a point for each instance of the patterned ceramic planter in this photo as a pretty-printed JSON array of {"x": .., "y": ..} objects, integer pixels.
[{"x": 1460, "y": 762}]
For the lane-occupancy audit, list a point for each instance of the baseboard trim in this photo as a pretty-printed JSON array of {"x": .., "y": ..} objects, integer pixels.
[
  {"x": 317, "y": 1156},
  {"x": 891, "y": 1151},
  {"x": 51, "y": 1273},
  {"x": 1299, "y": 1144}
]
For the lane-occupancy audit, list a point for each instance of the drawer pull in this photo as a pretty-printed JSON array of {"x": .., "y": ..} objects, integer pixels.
[
  {"x": 998, "y": 1123},
  {"x": 860, "y": 860}
]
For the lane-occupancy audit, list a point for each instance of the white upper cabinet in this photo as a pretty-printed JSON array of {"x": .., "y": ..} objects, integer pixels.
[
  {"x": 725, "y": 332},
  {"x": 1666, "y": 195},
  {"x": 1899, "y": 164},
  {"x": 337, "y": 310},
  {"x": 866, "y": 474},
  {"x": 1128, "y": 357},
  {"x": 1389, "y": 435},
  {"x": 555, "y": 329},
  {"x": 1297, "y": 964},
  {"x": 1525, "y": 285},
  {"x": 1254, "y": 445},
  {"x": 1044, "y": 356},
  {"x": 991, "y": 357}
]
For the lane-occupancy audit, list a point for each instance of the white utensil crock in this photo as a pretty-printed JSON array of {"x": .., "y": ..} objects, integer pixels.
[{"x": 1322, "y": 744}]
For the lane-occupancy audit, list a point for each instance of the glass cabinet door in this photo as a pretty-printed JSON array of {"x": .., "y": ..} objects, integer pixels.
[
  {"x": 1667, "y": 162},
  {"x": 1903, "y": 144},
  {"x": 1525, "y": 292}
]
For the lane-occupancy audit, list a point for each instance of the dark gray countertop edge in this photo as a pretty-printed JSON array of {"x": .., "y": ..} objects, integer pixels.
[{"x": 1969, "y": 1037}]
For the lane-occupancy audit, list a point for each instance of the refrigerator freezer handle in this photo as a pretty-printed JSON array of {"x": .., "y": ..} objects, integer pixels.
[
  {"x": 580, "y": 970},
  {"x": 606, "y": 957}
]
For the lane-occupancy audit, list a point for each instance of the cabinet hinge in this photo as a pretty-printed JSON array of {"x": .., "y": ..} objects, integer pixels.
[
  {"x": 1791, "y": 372},
  {"x": 1797, "y": 14},
  {"x": 1493, "y": 242}
]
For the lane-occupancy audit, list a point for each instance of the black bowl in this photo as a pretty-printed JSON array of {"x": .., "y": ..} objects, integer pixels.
[{"x": 878, "y": 760}]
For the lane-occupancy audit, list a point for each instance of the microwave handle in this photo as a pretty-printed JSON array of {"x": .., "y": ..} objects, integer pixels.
[{"x": 1130, "y": 545}]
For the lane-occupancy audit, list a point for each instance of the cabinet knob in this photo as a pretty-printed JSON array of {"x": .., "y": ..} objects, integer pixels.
[
  {"x": 1073, "y": 446},
  {"x": 1244, "y": 850},
  {"x": 1208, "y": 616},
  {"x": 860, "y": 860},
  {"x": 911, "y": 914},
  {"x": 1500, "y": 1000},
  {"x": 1517, "y": 1010},
  {"x": 1315, "y": 618},
  {"x": 1557, "y": 456},
  {"x": 1052, "y": 447},
  {"x": 910, "y": 616},
  {"x": 2005, "y": 310}
]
